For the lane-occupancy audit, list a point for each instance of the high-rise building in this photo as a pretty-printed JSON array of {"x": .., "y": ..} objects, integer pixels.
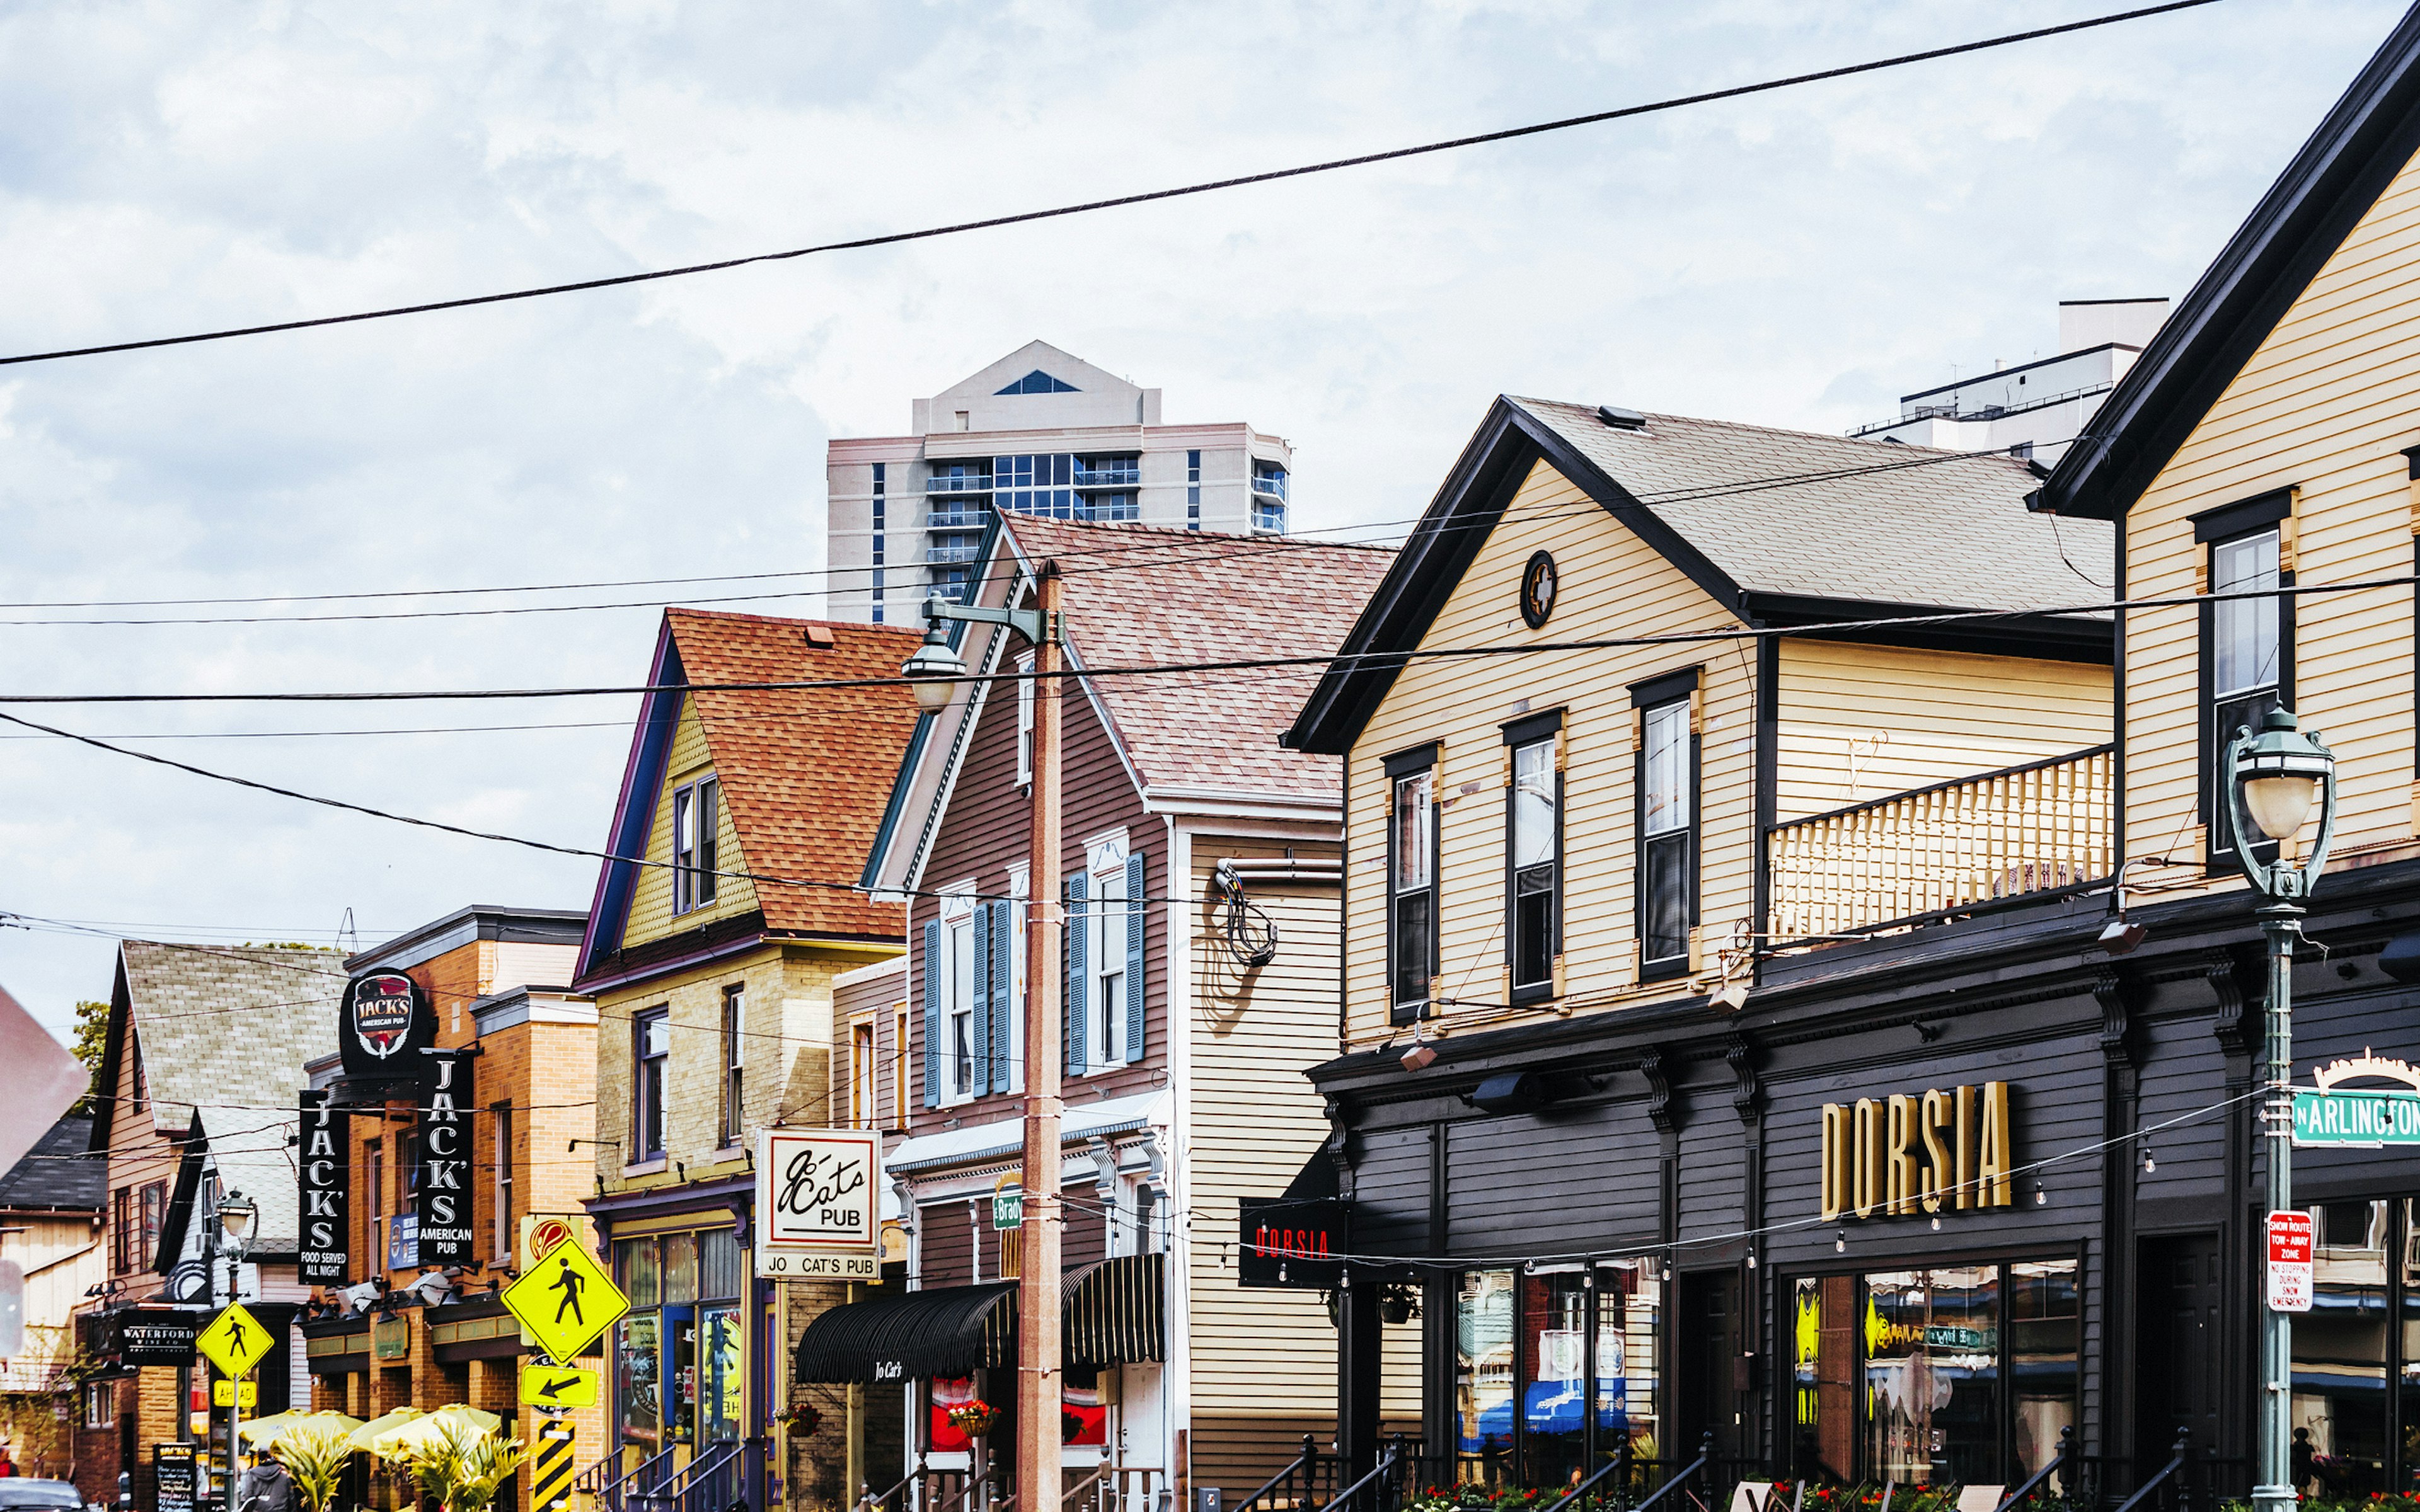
[
  {"x": 2036, "y": 408},
  {"x": 1042, "y": 433}
]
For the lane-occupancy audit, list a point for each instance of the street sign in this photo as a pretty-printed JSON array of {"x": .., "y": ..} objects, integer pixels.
[
  {"x": 1008, "y": 1210},
  {"x": 566, "y": 1300},
  {"x": 243, "y": 1394},
  {"x": 235, "y": 1341},
  {"x": 2289, "y": 1262},
  {"x": 2364, "y": 1116},
  {"x": 547, "y": 1385},
  {"x": 552, "y": 1471}
]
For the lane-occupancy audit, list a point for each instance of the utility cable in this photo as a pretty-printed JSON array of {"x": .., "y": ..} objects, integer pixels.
[{"x": 1089, "y": 206}]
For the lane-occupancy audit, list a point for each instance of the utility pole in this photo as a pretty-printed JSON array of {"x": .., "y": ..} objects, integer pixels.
[{"x": 1037, "y": 1287}]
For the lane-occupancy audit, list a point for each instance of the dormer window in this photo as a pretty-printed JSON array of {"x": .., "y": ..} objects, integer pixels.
[
  {"x": 1038, "y": 381},
  {"x": 2247, "y": 641},
  {"x": 697, "y": 815}
]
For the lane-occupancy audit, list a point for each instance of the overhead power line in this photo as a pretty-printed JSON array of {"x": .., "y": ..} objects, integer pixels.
[{"x": 1117, "y": 202}]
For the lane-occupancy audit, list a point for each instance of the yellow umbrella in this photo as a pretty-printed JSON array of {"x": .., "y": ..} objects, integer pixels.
[
  {"x": 418, "y": 1434},
  {"x": 369, "y": 1434},
  {"x": 265, "y": 1430}
]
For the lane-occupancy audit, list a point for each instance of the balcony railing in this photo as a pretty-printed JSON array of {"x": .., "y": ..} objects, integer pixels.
[
  {"x": 1127, "y": 474},
  {"x": 1269, "y": 484},
  {"x": 952, "y": 553},
  {"x": 944, "y": 482},
  {"x": 1957, "y": 847},
  {"x": 956, "y": 516}
]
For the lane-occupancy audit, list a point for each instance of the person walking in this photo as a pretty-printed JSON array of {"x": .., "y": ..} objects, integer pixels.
[{"x": 265, "y": 1487}]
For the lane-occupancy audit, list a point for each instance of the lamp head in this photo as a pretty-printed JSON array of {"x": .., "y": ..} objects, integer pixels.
[
  {"x": 1421, "y": 1057},
  {"x": 935, "y": 662},
  {"x": 235, "y": 1217},
  {"x": 2280, "y": 774},
  {"x": 2121, "y": 935}
]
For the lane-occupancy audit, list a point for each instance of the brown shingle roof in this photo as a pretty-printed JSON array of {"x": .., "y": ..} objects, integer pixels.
[
  {"x": 1140, "y": 594},
  {"x": 805, "y": 771},
  {"x": 1954, "y": 531}
]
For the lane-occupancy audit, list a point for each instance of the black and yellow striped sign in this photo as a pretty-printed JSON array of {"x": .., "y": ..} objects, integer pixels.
[{"x": 552, "y": 1477}]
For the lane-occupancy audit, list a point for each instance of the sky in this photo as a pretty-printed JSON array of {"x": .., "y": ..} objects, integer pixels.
[{"x": 1797, "y": 259}]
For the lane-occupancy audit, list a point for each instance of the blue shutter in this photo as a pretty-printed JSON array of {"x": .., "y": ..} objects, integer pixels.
[
  {"x": 979, "y": 1031},
  {"x": 1074, "y": 1029},
  {"x": 932, "y": 1015},
  {"x": 1137, "y": 913},
  {"x": 1004, "y": 1006}
]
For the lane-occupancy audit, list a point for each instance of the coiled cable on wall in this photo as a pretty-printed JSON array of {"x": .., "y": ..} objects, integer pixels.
[{"x": 1251, "y": 936}]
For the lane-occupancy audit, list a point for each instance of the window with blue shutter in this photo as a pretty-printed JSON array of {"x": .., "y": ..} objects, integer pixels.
[
  {"x": 1137, "y": 912},
  {"x": 933, "y": 1015},
  {"x": 1077, "y": 974},
  {"x": 979, "y": 990},
  {"x": 1004, "y": 1006}
]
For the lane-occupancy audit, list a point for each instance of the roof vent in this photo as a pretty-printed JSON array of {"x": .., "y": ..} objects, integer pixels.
[
  {"x": 819, "y": 637},
  {"x": 1621, "y": 419}
]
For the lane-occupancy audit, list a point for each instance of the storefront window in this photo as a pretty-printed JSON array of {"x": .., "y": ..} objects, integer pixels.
[
  {"x": 1482, "y": 1385},
  {"x": 2339, "y": 1412},
  {"x": 727, "y": 1372},
  {"x": 1959, "y": 1375},
  {"x": 1564, "y": 1335},
  {"x": 638, "y": 1376},
  {"x": 680, "y": 1357},
  {"x": 680, "y": 1268}
]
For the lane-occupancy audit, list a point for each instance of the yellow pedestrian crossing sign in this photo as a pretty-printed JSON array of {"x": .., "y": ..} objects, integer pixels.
[
  {"x": 235, "y": 1341},
  {"x": 555, "y": 1386},
  {"x": 565, "y": 1300}
]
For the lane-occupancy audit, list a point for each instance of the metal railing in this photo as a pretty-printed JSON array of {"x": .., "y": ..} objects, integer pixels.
[
  {"x": 715, "y": 1478},
  {"x": 2175, "y": 1479},
  {"x": 1380, "y": 1491},
  {"x": 1127, "y": 474},
  {"x": 945, "y": 483},
  {"x": 613, "y": 1490},
  {"x": 898, "y": 1497},
  {"x": 958, "y": 516},
  {"x": 1606, "y": 1483},
  {"x": 1973, "y": 843},
  {"x": 1308, "y": 1482},
  {"x": 1111, "y": 1488}
]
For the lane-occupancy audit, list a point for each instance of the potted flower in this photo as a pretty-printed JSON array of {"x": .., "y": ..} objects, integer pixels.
[
  {"x": 974, "y": 1417},
  {"x": 802, "y": 1417}
]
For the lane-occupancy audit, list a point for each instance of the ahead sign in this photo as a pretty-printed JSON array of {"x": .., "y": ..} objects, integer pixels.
[{"x": 2289, "y": 1262}]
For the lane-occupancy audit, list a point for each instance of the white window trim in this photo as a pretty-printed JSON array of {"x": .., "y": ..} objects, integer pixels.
[
  {"x": 1024, "y": 722},
  {"x": 957, "y": 913},
  {"x": 1020, "y": 889},
  {"x": 1109, "y": 870}
]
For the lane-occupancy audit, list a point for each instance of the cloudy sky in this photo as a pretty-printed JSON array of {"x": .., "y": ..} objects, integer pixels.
[{"x": 1796, "y": 259}]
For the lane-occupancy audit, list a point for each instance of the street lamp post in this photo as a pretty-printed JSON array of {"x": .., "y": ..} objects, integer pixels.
[
  {"x": 235, "y": 1215},
  {"x": 932, "y": 672},
  {"x": 2274, "y": 776}
]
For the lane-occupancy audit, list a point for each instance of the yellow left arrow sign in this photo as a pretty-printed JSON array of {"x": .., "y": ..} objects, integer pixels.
[{"x": 547, "y": 1385}]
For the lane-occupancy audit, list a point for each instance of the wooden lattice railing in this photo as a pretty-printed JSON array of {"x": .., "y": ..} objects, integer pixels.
[{"x": 2019, "y": 832}]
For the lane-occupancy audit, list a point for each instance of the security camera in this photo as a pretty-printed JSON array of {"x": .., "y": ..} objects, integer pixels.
[
  {"x": 433, "y": 1288},
  {"x": 360, "y": 1295}
]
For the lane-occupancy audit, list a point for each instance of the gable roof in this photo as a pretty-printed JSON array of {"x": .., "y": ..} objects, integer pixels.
[
  {"x": 223, "y": 1033},
  {"x": 1138, "y": 594},
  {"x": 1780, "y": 527},
  {"x": 793, "y": 763},
  {"x": 60, "y": 1173},
  {"x": 2360, "y": 146},
  {"x": 1011, "y": 370}
]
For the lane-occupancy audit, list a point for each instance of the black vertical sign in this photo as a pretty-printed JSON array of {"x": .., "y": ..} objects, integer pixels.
[
  {"x": 446, "y": 1237},
  {"x": 326, "y": 1190},
  {"x": 173, "y": 1476}
]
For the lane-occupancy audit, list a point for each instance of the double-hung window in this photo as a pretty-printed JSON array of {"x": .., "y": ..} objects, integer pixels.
[
  {"x": 958, "y": 999},
  {"x": 650, "y": 1043},
  {"x": 2247, "y": 652},
  {"x": 1534, "y": 856},
  {"x": 1109, "y": 965},
  {"x": 734, "y": 1018},
  {"x": 502, "y": 1240},
  {"x": 1024, "y": 721},
  {"x": 861, "y": 1074},
  {"x": 1667, "y": 832},
  {"x": 697, "y": 814},
  {"x": 1411, "y": 881}
]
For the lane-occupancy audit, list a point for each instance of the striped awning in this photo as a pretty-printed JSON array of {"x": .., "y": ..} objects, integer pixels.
[{"x": 1111, "y": 1311}]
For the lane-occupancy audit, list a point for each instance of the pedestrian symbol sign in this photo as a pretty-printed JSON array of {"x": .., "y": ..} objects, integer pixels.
[
  {"x": 566, "y": 1300},
  {"x": 235, "y": 1341}
]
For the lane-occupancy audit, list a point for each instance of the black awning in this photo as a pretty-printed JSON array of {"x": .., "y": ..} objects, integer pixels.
[{"x": 1111, "y": 1311}]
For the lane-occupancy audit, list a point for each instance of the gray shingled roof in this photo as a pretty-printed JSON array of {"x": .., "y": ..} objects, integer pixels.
[
  {"x": 1954, "y": 531},
  {"x": 60, "y": 1172},
  {"x": 224, "y": 1034}
]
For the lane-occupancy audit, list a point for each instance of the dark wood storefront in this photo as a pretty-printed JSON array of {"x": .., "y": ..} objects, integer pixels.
[{"x": 1667, "y": 1160}]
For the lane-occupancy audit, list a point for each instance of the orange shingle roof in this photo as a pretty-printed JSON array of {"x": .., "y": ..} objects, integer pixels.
[{"x": 806, "y": 771}]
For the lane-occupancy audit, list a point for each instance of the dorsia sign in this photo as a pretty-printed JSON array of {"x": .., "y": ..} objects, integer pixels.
[
  {"x": 1943, "y": 1150},
  {"x": 819, "y": 1203},
  {"x": 385, "y": 1023},
  {"x": 2291, "y": 1267},
  {"x": 1297, "y": 1243}
]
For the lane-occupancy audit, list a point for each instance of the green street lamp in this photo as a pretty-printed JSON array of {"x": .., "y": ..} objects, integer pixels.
[{"x": 2275, "y": 777}]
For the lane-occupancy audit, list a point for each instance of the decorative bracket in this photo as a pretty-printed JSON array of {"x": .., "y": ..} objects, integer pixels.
[
  {"x": 1660, "y": 1111},
  {"x": 1747, "y": 1096}
]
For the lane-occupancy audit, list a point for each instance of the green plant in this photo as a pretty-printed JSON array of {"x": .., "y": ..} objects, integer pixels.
[{"x": 315, "y": 1454}]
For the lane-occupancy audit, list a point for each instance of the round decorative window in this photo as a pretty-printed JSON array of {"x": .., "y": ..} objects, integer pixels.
[{"x": 1538, "y": 590}]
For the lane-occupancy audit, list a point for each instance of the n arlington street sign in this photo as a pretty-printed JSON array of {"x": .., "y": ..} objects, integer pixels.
[{"x": 2366, "y": 1116}]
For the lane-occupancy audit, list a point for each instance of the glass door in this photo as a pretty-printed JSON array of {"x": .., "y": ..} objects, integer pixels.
[
  {"x": 680, "y": 1375},
  {"x": 723, "y": 1408}
]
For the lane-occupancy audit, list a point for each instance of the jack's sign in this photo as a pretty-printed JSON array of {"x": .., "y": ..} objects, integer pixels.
[
  {"x": 447, "y": 1236},
  {"x": 819, "y": 1198},
  {"x": 387, "y": 1019},
  {"x": 327, "y": 1190}
]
